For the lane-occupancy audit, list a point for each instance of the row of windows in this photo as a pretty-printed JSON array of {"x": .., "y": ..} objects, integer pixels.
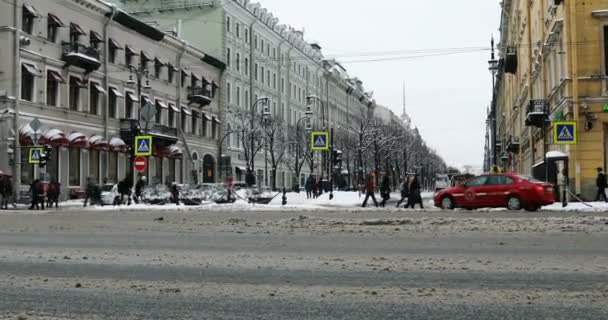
[
  {"x": 161, "y": 69},
  {"x": 166, "y": 114}
]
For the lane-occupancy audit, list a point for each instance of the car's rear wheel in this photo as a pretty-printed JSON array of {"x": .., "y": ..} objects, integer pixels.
[
  {"x": 447, "y": 203},
  {"x": 514, "y": 203}
]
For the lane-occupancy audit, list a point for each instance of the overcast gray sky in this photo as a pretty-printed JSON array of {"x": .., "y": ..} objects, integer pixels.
[{"x": 447, "y": 95}]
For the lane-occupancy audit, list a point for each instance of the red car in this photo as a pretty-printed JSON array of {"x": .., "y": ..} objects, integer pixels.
[{"x": 512, "y": 191}]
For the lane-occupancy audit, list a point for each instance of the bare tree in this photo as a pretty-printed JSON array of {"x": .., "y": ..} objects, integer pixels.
[
  {"x": 250, "y": 137},
  {"x": 276, "y": 145}
]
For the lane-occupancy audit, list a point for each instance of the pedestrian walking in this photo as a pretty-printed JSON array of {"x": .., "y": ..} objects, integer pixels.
[
  {"x": 385, "y": 189},
  {"x": 53, "y": 194},
  {"x": 139, "y": 188},
  {"x": 308, "y": 186},
  {"x": 415, "y": 196},
  {"x": 404, "y": 190},
  {"x": 124, "y": 189},
  {"x": 601, "y": 185},
  {"x": 93, "y": 193},
  {"x": 370, "y": 189},
  {"x": 6, "y": 191},
  {"x": 175, "y": 193},
  {"x": 35, "y": 194}
]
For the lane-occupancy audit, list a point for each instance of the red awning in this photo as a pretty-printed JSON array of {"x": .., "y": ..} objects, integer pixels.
[
  {"x": 175, "y": 152},
  {"x": 98, "y": 143},
  {"x": 26, "y": 135},
  {"x": 118, "y": 145},
  {"x": 55, "y": 138},
  {"x": 78, "y": 140}
]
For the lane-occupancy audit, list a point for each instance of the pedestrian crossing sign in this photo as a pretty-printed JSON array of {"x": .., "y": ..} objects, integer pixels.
[
  {"x": 564, "y": 132},
  {"x": 35, "y": 155},
  {"x": 319, "y": 141},
  {"x": 143, "y": 146}
]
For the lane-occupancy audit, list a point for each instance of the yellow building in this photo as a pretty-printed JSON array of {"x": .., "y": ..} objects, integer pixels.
[{"x": 553, "y": 67}]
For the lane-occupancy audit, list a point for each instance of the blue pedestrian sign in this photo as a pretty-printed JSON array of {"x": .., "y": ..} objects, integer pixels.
[
  {"x": 564, "y": 132},
  {"x": 35, "y": 155},
  {"x": 319, "y": 141},
  {"x": 143, "y": 146}
]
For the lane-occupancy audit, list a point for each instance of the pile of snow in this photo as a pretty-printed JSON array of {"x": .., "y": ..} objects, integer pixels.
[{"x": 579, "y": 207}]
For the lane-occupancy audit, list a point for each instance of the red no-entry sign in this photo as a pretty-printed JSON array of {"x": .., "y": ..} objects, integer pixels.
[{"x": 140, "y": 163}]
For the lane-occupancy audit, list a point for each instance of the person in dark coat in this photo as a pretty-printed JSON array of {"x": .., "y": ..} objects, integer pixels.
[
  {"x": 404, "y": 189},
  {"x": 6, "y": 191},
  {"x": 175, "y": 193},
  {"x": 35, "y": 194},
  {"x": 385, "y": 189},
  {"x": 53, "y": 194},
  {"x": 601, "y": 185},
  {"x": 370, "y": 189},
  {"x": 93, "y": 193},
  {"x": 415, "y": 194},
  {"x": 139, "y": 189},
  {"x": 308, "y": 186},
  {"x": 124, "y": 189}
]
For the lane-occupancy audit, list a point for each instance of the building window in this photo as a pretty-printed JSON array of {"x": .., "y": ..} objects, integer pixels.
[
  {"x": 262, "y": 46},
  {"x": 238, "y": 62},
  {"x": 194, "y": 81},
  {"x": 246, "y": 98},
  {"x": 171, "y": 73},
  {"x": 172, "y": 111},
  {"x": 214, "y": 129},
  {"x": 130, "y": 101},
  {"x": 229, "y": 92},
  {"x": 255, "y": 41},
  {"x": 238, "y": 96},
  {"x": 184, "y": 120},
  {"x": 274, "y": 81},
  {"x": 268, "y": 77},
  {"x": 113, "y": 47},
  {"x": 262, "y": 74},
  {"x": 267, "y": 49},
  {"x": 53, "y": 79},
  {"x": 238, "y": 30},
  {"x": 28, "y": 16},
  {"x": 184, "y": 76},
  {"x": 94, "y": 92},
  {"x": 28, "y": 76},
  {"x": 129, "y": 54},
  {"x": 158, "y": 67},
  {"x": 194, "y": 122},
  {"x": 204, "y": 126},
  {"x": 282, "y": 85},
  {"x": 113, "y": 96},
  {"x": 95, "y": 39},
  {"x": 228, "y": 24},
  {"x": 74, "y": 167},
  {"x": 247, "y": 66},
  {"x": 228, "y": 57},
  {"x": 76, "y": 32},
  {"x": 246, "y": 35},
  {"x": 255, "y": 71},
  {"x": 53, "y": 24},
  {"x": 158, "y": 117}
]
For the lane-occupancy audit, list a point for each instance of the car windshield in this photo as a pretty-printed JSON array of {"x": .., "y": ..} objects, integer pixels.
[{"x": 107, "y": 187}]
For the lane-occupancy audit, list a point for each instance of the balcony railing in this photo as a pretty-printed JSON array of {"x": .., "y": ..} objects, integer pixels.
[
  {"x": 200, "y": 96},
  {"x": 129, "y": 127},
  {"x": 81, "y": 56},
  {"x": 537, "y": 113},
  {"x": 513, "y": 144}
]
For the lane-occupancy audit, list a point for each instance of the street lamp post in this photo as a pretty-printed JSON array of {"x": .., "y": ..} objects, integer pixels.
[
  {"x": 493, "y": 67},
  {"x": 265, "y": 114},
  {"x": 141, "y": 73},
  {"x": 328, "y": 161}
]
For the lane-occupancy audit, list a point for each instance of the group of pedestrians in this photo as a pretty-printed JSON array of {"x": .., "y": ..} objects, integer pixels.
[
  {"x": 312, "y": 187},
  {"x": 410, "y": 190}
]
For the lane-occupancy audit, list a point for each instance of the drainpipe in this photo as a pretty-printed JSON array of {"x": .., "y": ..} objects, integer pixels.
[
  {"x": 179, "y": 105},
  {"x": 16, "y": 93},
  {"x": 279, "y": 72},
  {"x": 106, "y": 81}
]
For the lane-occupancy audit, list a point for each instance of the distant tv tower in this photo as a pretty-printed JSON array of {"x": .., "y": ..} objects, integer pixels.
[{"x": 404, "y": 117}]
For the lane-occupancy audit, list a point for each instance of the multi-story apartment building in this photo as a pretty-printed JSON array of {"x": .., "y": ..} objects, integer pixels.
[
  {"x": 553, "y": 67},
  {"x": 264, "y": 59},
  {"x": 86, "y": 69}
]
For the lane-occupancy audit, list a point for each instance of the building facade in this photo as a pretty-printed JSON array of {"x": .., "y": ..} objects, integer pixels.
[
  {"x": 86, "y": 70},
  {"x": 553, "y": 67},
  {"x": 264, "y": 59}
]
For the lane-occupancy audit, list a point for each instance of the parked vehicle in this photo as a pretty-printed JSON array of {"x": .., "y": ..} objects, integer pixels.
[
  {"x": 512, "y": 191},
  {"x": 109, "y": 192}
]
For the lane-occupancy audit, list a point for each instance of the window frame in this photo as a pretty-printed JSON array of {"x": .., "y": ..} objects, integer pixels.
[
  {"x": 32, "y": 78},
  {"x": 57, "y": 89}
]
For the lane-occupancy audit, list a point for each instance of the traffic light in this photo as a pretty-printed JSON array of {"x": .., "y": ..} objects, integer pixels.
[
  {"x": 46, "y": 157},
  {"x": 337, "y": 157}
]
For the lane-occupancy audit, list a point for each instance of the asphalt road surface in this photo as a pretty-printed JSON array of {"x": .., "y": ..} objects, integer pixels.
[{"x": 342, "y": 264}]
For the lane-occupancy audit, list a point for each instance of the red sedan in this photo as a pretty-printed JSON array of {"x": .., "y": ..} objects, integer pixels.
[{"x": 512, "y": 191}]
